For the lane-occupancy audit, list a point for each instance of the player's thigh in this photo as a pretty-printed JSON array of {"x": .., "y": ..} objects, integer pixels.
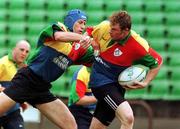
[
  {"x": 112, "y": 94},
  {"x": 54, "y": 108},
  {"x": 57, "y": 112},
  {"x": 5, "y": 103}
]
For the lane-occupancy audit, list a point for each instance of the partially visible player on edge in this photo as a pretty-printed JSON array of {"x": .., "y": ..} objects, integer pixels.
[
  {"x": 119, "y": 48},
  {"x": 53, "y": 55},
  {"x": 9, "y": 64},
  {"x": 81, "y": 100}
]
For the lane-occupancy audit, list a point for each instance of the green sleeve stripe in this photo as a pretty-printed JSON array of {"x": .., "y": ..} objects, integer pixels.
[
  {"x": 148, "y": 61},
  {"x": 48, "y": 33},
  {"x": 73, "y": 95}
]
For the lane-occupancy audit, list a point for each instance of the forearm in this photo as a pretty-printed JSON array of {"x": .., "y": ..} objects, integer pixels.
[
  {"x": 86, "y": 100},
  {"x": 152, "y": 74},
  {"x": 67, "y": 36}
]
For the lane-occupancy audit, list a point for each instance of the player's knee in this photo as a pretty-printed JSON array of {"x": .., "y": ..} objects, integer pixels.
[
  {"x": 129, "y": 118},
  {"x": 71, "y": 124},
  {"x": 125, "y": 115}
]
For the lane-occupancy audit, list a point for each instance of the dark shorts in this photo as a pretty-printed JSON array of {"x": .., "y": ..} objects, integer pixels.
[
  {"x": 28, "y": 87},
  {"x": 82, "y": 116},
  {"x": 109, "y": 97},
  {"x": 13, "y": 120}
]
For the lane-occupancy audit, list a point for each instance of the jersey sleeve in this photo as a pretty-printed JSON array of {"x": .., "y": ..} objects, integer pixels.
[
  {"x": 79, "y": 85},
  {"x": 47, "y": 34},
  {"x": 77, "y": 91},
  {"x": 151, "y": 59},
  {"x": 101, "y": 30},
  {"x": 156, "y": 55}
]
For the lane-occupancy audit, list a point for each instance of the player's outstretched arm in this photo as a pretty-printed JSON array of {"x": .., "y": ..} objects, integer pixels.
[{"x": 68, "y": 36}]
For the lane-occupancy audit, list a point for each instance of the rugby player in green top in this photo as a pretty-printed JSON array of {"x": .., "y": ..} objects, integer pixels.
[{"x": 55, "y": 52}]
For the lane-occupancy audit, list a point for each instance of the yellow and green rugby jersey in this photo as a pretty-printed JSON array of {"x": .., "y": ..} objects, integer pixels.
[
  {"x": 51, "y": 58},
  {"x": 80, "y": 87}
]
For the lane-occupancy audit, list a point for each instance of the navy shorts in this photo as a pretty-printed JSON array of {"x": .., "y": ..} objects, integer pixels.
[
  {"x": 28, "y": 87},
  {"x": 109, "y": 97},
  {"x": 13, "y": 120},
  {"x": 82, "y": 116}
]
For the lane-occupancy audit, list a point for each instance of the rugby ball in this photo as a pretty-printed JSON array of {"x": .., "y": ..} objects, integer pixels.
[{"x": 131, "y": 74}]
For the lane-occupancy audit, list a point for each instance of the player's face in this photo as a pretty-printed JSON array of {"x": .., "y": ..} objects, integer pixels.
[
  {"x": 20, "y": 53},
  {"x": 79, "y": 26},
  {"x": 117, "y": 33}
]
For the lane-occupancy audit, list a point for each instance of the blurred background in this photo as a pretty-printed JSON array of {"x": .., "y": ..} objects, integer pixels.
[{"x": 158, "y": 21}]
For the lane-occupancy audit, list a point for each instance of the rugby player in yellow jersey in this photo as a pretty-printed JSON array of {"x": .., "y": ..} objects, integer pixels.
[{"x": 9, "y": 64}]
